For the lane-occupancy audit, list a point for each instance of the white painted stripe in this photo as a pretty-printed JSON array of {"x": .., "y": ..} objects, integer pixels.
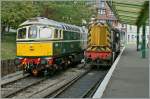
[
  {"x": 103, "y": 85},
  {"x": 55, "y": 41}
]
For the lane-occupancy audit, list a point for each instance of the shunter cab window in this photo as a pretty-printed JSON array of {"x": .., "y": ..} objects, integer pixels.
[
  {"x": 32, "y": 32},
  {"x": 22, "y": 33}
]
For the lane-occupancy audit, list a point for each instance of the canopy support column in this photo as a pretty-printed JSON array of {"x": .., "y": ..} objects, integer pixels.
[
  {"x": 137, "y": 38},
  {"x": 143, "y": 42}
]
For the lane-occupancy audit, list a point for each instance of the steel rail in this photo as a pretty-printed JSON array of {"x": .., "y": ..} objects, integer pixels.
[
  {"x": 89, "y": 93},
  {"x": 55, "y": 93},
  {"x": 13, "y": 77},
  {"x": 56, "y": 89},
  {"x": 11, "y": 93}
]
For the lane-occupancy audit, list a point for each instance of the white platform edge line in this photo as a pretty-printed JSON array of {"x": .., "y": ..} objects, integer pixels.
[{"x": 102, "y": 87}]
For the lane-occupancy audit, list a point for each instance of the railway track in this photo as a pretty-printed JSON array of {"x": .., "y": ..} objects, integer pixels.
[
  {"x": 89, "y": 93},
  {"x": 48, "y": 85},
  {"x": 84, "y": 87},
  {"x": 55, "y": 86},
  {"x": 80, "y": 87},
  {"x": 12, "y": 88},
  {"x": 59, "y": 90},
  {"x": 51, "y": 90},
  {"x": 13, "y": 77},
  {"x": 31, "y": 86}
]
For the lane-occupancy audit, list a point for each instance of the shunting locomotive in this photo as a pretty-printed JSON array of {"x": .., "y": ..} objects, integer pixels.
[
  {"x": 103, "y": 44},
  {"x": 45, "y": 45}
]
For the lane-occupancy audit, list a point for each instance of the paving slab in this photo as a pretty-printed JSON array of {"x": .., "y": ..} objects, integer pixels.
[{"x": 130, "y": 79}]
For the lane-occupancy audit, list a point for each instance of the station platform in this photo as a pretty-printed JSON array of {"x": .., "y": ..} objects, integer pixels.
[{"x": 130, "y": 78}]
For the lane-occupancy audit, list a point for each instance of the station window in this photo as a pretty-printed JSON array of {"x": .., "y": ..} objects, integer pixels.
[
  {"x": 111, "y": 13},
  {"x": 102, "y": 4},
  {"x": 102, "y": 11},
  {"x": 132, "y": 36},
  {"x": 130, "y": 27},
  {"x": 123, "y": 25}
]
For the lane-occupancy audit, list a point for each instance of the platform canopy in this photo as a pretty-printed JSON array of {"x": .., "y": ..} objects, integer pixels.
[{"x": 134, "y": 12}]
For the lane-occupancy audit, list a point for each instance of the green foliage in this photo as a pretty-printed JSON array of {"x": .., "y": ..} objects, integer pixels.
[
  {"x": 14, "y": 13},
  {"x": 68, "y": 12},
  {"x": 8, "y": 46}
]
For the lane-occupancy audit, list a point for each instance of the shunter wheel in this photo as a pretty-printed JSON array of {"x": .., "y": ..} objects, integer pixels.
[{"x": 34, "y": 72}]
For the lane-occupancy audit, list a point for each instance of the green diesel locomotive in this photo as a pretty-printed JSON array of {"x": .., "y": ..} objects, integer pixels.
[{"x": 45, "y": 45}]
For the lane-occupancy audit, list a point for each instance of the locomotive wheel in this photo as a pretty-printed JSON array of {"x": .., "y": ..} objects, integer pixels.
[
  {"x": 60, "y": 68},
  {"x": 97, "y": 67},
  {"x": 34, "y": 72},
  {"x": 51, "y": 72},
  {"x": 65, "y": 65}
]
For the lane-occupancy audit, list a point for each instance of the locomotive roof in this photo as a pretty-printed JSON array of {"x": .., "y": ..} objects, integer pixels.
[{"x": 45, "y": 21}]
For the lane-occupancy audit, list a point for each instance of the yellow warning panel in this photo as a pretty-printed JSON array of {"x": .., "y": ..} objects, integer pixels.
[
  {"x": 99, "y": 35},
  {"x": 34, "y": 49}
]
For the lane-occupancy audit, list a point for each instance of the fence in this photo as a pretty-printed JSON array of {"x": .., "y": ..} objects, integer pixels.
[{"x": 8, "y": 67}]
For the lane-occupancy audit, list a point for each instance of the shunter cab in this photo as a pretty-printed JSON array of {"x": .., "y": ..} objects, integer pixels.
[{"x": 102, "y": 45}]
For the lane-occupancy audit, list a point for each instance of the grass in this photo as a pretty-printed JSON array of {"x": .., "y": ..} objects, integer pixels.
[{"x": 8, "y": 46}]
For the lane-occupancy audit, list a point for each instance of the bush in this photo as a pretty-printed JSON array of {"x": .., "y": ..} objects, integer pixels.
[{"x": 8, "y": 46}]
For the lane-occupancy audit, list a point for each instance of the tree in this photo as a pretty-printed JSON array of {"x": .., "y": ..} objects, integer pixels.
[{"x": 14, "y": 13}]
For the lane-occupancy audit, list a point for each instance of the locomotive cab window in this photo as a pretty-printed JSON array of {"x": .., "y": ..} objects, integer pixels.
[
  {"x": 21, "y": 33},
  {"x": 46, "y": 32},
  {"x": 61, "y": 34},
  {"x": 32, "y": 32},
  {"x": 56, "y": 34}
]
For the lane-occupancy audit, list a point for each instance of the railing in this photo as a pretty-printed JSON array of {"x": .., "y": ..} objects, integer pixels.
[{"x": 8, "y": 67}]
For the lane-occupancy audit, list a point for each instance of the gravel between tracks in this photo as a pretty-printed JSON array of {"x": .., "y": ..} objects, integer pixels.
[
  {"x": 56, "y": 80},
  {"x": 14, "y": 87}
]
